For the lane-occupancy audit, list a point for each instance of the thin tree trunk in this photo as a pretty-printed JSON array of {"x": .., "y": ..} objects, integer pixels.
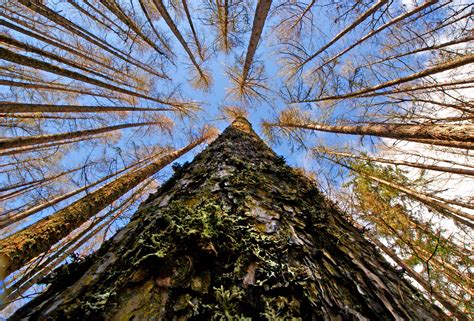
[
  {"x": 456, "y": 215},
  {"x": 56, "y": 87},
  {"x": 43, "y": 147},
  {"x": 346, "y": 30},
  {"x": 14, "y": 108},
  {"x": 8, "y": 55},
  {"x": 43, "y": 53},
  {"x": 22, "y": 246},
  {"x": 42, "y": 116},
  {"x": 419, "y": 50},
  {"x": 453, "y": 64},
  {"x": 376, "y": 31},
  {"x": 48, "y": 138},
  {"x": 261, "y": 14},
  {"x": 160, "y": 6},
  {"x": 38, "y": 7},
  {"x": 39, "y": 271},
  {"x": 433, "y": 132},
  {"x": 53, "y": 42},
  {"x": 460, "y": 171},
  {"x": 13, "y": 218},
  {"x": 193, "y": 30},
  {"x": 163, "y": 41},
  {"x": 114, "y": 7},
  {"x": 46, "y": 178},
  {"x": 420, "y": 280}
]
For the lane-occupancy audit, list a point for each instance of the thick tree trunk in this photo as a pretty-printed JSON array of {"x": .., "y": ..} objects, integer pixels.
[{"x": 234, "y": 234}]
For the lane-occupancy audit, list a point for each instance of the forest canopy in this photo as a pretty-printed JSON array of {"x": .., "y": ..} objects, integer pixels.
[{"x": 373, "y": 100}]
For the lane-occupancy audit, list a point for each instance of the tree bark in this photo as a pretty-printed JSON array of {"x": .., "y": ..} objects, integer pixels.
[
  {"x": 15, "y": 108},
  {"x": 48, "y": 138},
  {"x": 349, "y": 28},
  {"x": 445, "y": 169},
  {"x": 453, "y": 64},
  {"x": 24, "y": 245},
  {"x": 235, "y": 234},
  {"x": 261, "y": 14},
  {"x": 419, "y": 133}
]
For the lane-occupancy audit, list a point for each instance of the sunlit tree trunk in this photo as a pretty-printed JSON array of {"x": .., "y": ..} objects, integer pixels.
[
  {"x": 432, "y": 167},
  {"x": 193, "y": 29},
  {"x": 24, "y": 245},
  {"x": 204, "y": 78},
  {"x": 40, "y": 8},
  {"x": 426, "y": 286},
  {"x": 235, "y": 234},
  {"x": 429, "y": 134},
  {"x": 442, "y": 67},
  {"x": 48, "y": 138},
  {"x": 16, "y": 108},
  {"x": 261, "y": 13}
]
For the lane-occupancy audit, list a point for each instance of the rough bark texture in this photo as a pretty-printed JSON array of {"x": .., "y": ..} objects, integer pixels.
[{"x": 235, "y": 234}]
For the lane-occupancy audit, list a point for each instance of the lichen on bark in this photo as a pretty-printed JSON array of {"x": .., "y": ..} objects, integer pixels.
[{"x": 234, "y": 235}]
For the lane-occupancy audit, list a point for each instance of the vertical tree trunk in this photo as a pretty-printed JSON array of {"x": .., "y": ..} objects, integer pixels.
[
  {"x": 234, "y": 234},
  {"x": 261, "y": 14}
]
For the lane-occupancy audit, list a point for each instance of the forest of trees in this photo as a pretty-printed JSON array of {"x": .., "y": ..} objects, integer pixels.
[{"x": 372, "y": 101}]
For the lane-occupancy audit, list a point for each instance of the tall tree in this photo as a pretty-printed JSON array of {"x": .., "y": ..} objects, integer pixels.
[
  {"x": 437, "y": 134},
  {"x": 256, "y": 240},
  {"x": 203, "y": 79},
  {"x": 48, "y": 138},
  {"x": 20, "y": 247}
]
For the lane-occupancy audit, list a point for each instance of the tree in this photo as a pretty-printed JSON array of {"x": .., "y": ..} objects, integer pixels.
[
  {"x": 412, "y": 239},
  {"x": 22, "y": 246},
  {"x": 231, "y": 244}
]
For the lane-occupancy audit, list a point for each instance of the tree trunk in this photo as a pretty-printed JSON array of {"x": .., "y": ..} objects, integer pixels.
[
  {"x": 193, "y": 29},
  {"x": 11, "y": 56},
  {"x": 417, "y": 277},
  {"x": 234, "y": 234},
  {"x": 48, "y": 138},
  {"x": 431, "y": 167},
  {"x": 19, "y": 248},
  {"x": 376, "y": 31},
  {"x": 376, "y": 6},
  {"x": 38, "y": 7},
  {"x": 15, "y": 108},
  {"x": 261, "y": 13},
  {"x": 418, "y": 133},
  {"x": 442, "y": 67}
]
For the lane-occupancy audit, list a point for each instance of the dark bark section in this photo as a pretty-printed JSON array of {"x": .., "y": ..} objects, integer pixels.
[{"x": 234, "y": 234}]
